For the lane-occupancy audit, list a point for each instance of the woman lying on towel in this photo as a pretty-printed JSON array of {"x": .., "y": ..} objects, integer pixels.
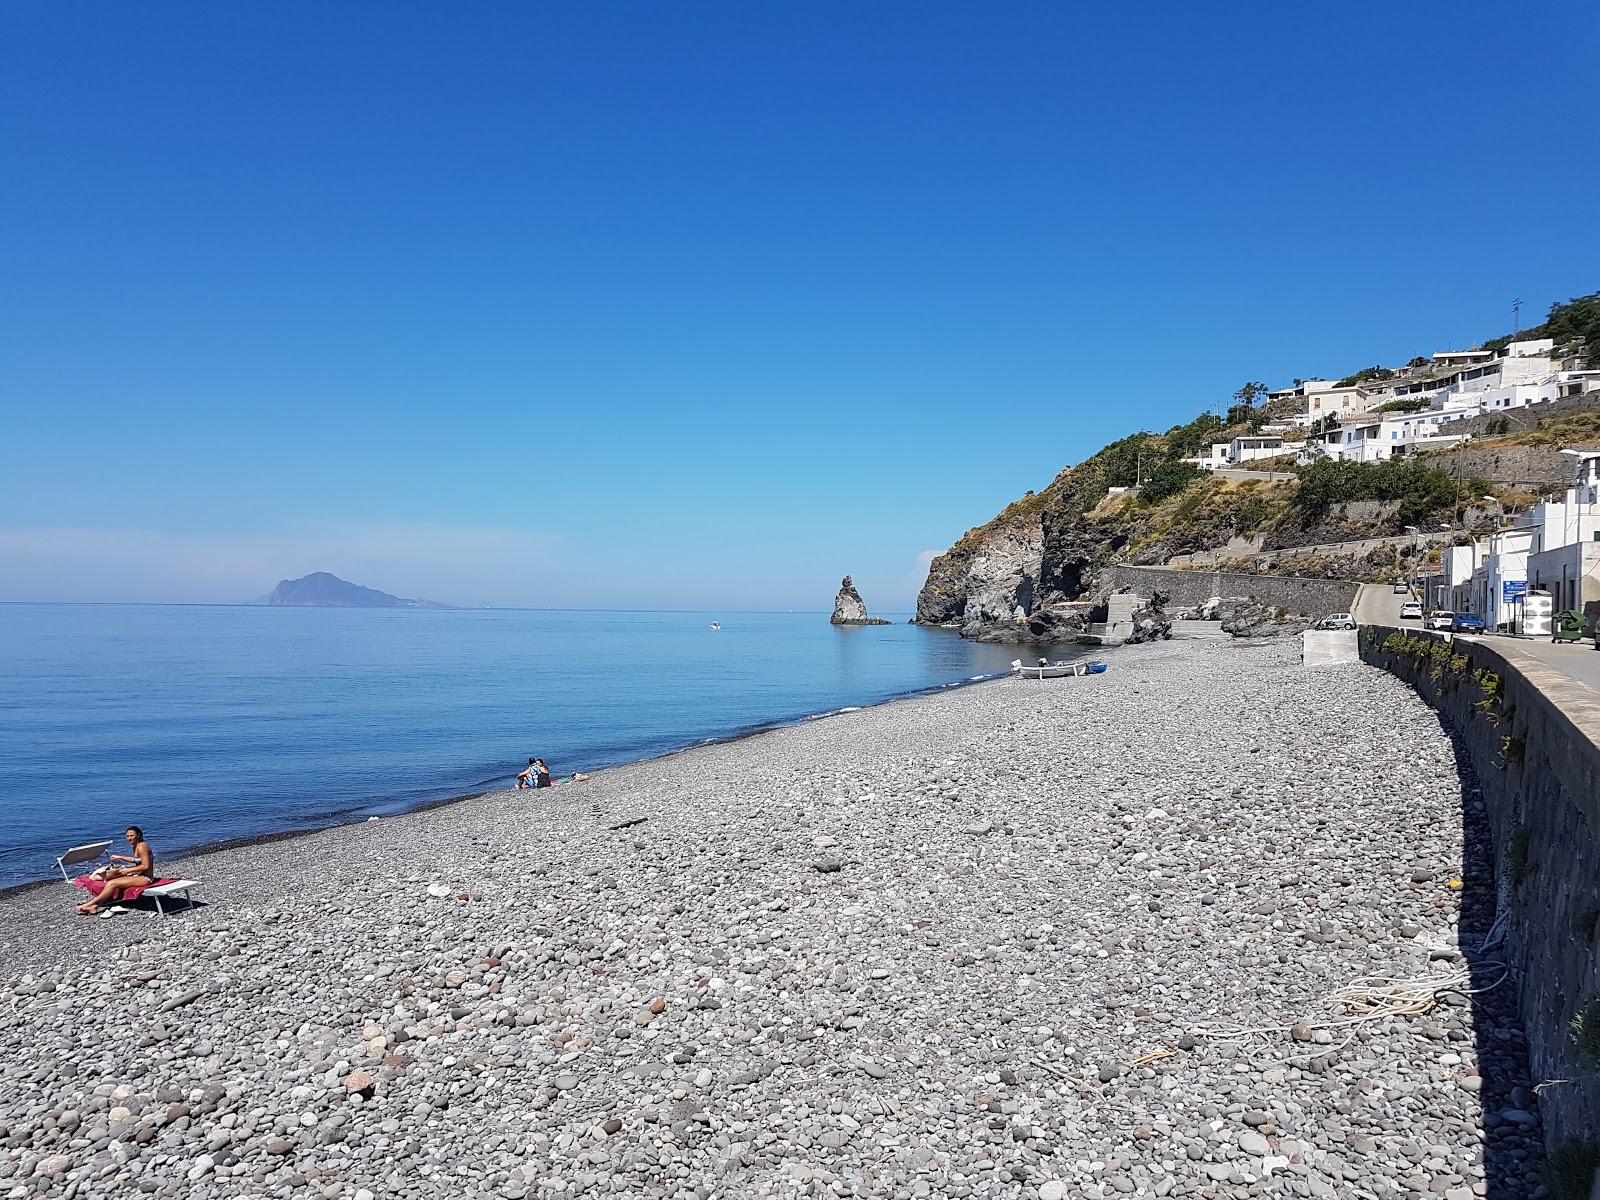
[{"x": 139, "y": 872}]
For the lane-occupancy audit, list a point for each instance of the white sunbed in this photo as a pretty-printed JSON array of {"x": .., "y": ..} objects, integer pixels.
[{"x": 92, "y": 853}]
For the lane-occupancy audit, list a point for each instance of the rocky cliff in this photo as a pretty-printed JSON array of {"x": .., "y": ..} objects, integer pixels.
[
  {"x": 850, "y": 609},
  {"x": 1032, "y": 573},
  {"x": 990, "y": 573}
]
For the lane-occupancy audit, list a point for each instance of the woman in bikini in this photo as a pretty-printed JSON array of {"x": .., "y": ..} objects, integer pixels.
[{"x": 140, "y": 872}]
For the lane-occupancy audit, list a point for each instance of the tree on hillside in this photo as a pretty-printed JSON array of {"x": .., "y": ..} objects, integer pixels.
[
  {"x": 1169, "y": 479},
  {"x": 1370, "y": 374},
  {"x": 1421, "y": 489},
  {"x": 1120, "y": 461},
  {"x": 1574, "y": 324},
  {"x": 1187, "y": 441}
]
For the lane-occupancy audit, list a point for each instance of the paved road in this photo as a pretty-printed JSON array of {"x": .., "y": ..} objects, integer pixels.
[
  {"x": 1578, "y": 661},
  {"x": 1377, "y": 604}
]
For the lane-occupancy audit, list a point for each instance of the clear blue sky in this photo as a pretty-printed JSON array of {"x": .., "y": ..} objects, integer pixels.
[{"x": 705, "y": 305}]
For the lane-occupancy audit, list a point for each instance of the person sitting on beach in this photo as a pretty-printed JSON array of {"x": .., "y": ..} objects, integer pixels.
[
  {"x": 527, "y": 778},
  {"x": 140, "y": 871},
  {"x": 542, "y": 778}
]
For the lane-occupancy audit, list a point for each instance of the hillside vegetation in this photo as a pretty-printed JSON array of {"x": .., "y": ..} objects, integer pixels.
[
  {"x": 1574, "y": 326},
  {"x": 1045, "y": 549}
]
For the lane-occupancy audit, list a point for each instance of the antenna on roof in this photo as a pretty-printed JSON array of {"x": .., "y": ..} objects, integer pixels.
[{"x": 1516, "y": 317}]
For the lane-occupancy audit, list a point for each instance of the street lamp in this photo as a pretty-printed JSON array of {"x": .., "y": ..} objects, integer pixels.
[{"x": 1416, "y": 542}]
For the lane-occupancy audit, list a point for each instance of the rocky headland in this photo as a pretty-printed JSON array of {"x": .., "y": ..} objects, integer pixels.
[
  {"x": 850, "y": 609},
  {"x": 1034, "y": 570},
  {"x": 1097, "y": 938}
]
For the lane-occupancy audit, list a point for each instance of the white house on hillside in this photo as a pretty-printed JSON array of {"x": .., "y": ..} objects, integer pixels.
[
  {"x": 1552, "y": 548},
  {"x": 1248, "y": 449},
  {"x": 1375, "y": 437},
  {"x": 1224, "y": 455},
  {"x": 1338, "y": 401}
]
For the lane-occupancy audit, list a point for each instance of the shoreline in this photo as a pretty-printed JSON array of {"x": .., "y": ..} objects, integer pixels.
[
  {"x": 217, "y": 857},
  {"x": 359, "y": 815},
  {"x": 989, "y": 941}
]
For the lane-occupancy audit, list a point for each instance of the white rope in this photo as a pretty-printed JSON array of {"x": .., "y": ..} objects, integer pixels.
[{"x": 1369, "y": 998}]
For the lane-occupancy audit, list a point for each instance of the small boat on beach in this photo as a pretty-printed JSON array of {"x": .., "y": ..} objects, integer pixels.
[{"x": 1045, "y": 669}]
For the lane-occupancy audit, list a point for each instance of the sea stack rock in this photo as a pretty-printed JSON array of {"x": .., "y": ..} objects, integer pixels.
[{"x": 850, "y": 609}]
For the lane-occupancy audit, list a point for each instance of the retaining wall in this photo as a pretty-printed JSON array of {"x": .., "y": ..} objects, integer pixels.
[
  {"x": 1186, "y": 589},
  {"x": 1533, "y": 467},
  {"x": 1533, "y": 739},
  {"x": 1530, "y": 415}
]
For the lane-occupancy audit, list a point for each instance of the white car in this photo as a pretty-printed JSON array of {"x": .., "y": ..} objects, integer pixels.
[
  {"x": 1411, "y": 610},
  {"x": 1337, "y": 621},
  {"x": 1440, "y": 618}
]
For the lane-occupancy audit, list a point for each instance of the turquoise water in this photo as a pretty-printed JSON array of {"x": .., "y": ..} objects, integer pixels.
[{"x": 208, "y": 723}]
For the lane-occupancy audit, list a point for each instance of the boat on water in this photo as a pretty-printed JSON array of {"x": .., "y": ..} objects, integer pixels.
[
  {"x": 1044, "y": 669},
  {"x": 716, "y": 625}
]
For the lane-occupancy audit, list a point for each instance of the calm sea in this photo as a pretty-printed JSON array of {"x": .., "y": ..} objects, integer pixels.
[{"x": 206, "y": 723}]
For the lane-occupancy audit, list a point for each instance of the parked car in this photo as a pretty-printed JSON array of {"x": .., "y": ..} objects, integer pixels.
[
  {"x": 1400, "y": 589},
  {"x": 1440, "y": 618},
  {"x": 1468, "y": 623},
  {"x": 1411, "y": 610},
  {"x": 1337, "y": 621}
]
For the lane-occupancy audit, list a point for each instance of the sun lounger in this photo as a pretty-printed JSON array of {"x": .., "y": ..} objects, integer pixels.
[
  {"x": 170, "y": 888},
  {"x": 162, "y": 889}
]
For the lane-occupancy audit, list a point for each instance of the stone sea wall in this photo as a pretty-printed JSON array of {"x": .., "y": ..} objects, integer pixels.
[
  {"x": 1186, "y": 589},
  {"x": 1532, "y": 737}
]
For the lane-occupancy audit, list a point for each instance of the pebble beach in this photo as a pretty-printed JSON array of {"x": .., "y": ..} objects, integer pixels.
[{"x": 1075, "y": 938}]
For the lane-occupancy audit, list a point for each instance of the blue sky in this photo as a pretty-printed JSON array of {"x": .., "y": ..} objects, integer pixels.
[{"x": 706, "y": 305}]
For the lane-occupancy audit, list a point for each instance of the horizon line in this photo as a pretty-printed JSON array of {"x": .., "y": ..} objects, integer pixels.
[{"x": 408, "y": 608}]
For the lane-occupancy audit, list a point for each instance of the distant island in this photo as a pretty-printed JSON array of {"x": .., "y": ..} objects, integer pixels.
[{"x": 322, "y": 590}]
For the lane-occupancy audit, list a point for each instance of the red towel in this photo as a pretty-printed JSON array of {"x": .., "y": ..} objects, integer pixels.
[{"x": 94, "y": 886}]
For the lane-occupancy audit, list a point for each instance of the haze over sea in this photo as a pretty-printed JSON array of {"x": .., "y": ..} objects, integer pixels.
[{"x": 209, "y": 723}]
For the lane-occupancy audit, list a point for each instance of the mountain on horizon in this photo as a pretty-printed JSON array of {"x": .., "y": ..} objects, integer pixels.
[{"x": 322, "y": 590}]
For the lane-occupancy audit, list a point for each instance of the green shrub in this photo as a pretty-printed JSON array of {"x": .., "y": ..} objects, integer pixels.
[
  {"x": 1366, "y": 375},
  {"x": 1168, "y": 480},
  {"x": 1419, "y": 488}
]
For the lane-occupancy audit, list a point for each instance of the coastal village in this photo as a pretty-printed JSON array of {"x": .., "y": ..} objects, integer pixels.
[
  {"x": 1471, "y": 476},
  {"x": 1433, "y": 405},
  {"x": 1228, "y": 918}
]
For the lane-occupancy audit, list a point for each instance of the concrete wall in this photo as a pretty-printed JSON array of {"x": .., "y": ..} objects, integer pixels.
[
  {"x": 1328, "y": 647},
  {"x": 1309, "y": 597},
  {"x": 1535, "y": 750},
  {"x": 1522, "y": 418},
  {"x": 1537, "y": 468}
]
